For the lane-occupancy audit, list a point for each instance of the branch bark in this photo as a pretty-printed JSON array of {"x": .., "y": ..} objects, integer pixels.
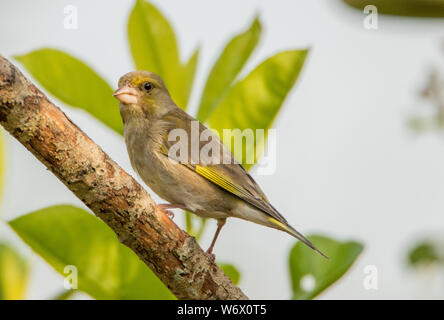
[{"x": 111, "y": 193}]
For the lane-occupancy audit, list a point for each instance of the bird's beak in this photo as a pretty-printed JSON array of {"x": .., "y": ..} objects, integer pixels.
[{"x": 126, "y": 95}]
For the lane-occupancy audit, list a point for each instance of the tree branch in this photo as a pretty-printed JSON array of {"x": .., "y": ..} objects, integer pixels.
[{"x": 111, "y": 193}]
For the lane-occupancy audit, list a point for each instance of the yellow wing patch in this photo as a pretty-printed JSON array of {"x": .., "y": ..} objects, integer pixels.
[{"x": 221, "y": 181}]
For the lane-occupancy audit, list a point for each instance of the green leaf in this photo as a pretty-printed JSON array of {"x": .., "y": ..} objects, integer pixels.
[
  {"x": 425, "y": 253},
  {"x": 154, "y": 48},
  {"x": 64, "y": 295},
  {"x": 14, "y": 274},
  {"x": 185, "y": 83},
  {"x": 74, "y": 83},
  {"x": 227, "y": 67},
  {"x": 65, "y": 235},
  {"x": 307, "y": 268},
  {"x": 254, "y": 102},
  {"x": 411, "y": 8},
  {"x": 231, "y": 271}
]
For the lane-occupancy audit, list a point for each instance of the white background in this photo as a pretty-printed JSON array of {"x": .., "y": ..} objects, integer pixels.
[{"x": 347, "y": 165}]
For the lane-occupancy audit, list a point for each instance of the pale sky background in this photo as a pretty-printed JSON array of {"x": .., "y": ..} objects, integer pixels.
[{"x": 347, "y": 165}]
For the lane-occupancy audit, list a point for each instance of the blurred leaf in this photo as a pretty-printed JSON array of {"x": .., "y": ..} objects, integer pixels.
[
  {"x": 152, "y": 40},
  {"x": 13, "y": 274},
  {"x": 254, "y": 102},
  {"x": 65, "y": 235},
  {"x": 185, "y": 80},
  {"x": 417, "y": 123},
  {"x": 421, "y": 124},
  {"x": 231, "y": 271},
  {"x": 74, "y": 83},
  {"x": 304, "y": 262},
  {"x": 64, "y": 295},
  {"x": 227, "y": 67},
  {"x": 424, "y": 253},
  {"x": 413, "y": 8},
  {"x": 154, "y": 48}
]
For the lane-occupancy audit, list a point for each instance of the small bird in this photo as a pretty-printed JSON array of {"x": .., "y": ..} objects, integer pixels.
[{"x": 201, "y": 185}]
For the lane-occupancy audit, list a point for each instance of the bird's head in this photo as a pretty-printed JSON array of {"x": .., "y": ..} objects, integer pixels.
[{"x": 142, "y": 94}]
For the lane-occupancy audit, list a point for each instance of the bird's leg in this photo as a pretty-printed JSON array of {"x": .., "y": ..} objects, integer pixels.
[
  {"x": 220, "y": 224},
  {"x": 165, "y": 206}
]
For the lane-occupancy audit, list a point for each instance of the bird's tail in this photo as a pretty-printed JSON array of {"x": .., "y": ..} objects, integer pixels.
[{"x": 292, "y": 231}]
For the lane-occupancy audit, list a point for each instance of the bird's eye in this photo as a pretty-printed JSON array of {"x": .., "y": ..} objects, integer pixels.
[{"x": 147, "y": 86}]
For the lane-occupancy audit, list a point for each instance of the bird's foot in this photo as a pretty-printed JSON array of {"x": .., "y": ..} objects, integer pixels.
[
  {"x": 165, "y": 206},
  {"x": 164, "y": 209},
  {"x": 169, "y": 213}
]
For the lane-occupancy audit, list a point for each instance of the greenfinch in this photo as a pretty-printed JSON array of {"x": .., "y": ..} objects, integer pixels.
[{"x": 208, "y": 188}]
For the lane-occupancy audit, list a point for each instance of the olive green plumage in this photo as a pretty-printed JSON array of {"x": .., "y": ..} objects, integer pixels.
[{"x": 211, "y": 189}]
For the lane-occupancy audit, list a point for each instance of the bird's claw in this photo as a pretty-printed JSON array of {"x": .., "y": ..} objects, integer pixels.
[{"x": 169, "y": 213}]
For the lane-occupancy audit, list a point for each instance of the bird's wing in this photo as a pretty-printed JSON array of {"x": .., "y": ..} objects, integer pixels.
[{"x": 229, "y": 175}]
